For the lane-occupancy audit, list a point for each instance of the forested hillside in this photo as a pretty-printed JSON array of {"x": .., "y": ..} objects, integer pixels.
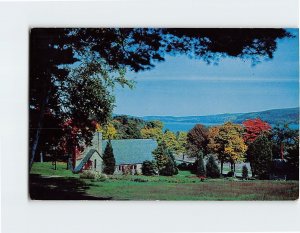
[{"x": 275, "y": 116}]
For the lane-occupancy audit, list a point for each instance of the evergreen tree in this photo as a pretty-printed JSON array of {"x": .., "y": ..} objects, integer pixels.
[
  {"x": 200, "y": 170},
  {"x": 165, "y": 160},
  {"x": 212, "y": 169},
  {"x": 292, "y": 159},
  {"x": 170, "y": 168},
  {"x": 245, "y": 172},
  {"x": 160, "y": 155},
  {"x": 109, "y": 159},
  {"x": 148, "y": 168},
  {"x": 261, "y": 153}
]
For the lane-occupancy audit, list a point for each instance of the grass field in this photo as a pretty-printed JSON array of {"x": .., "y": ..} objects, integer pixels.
[{"x": 61, "y": 184}]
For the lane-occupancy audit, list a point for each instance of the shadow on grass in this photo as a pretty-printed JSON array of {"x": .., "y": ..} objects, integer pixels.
[{"x": 59, "y": 188}]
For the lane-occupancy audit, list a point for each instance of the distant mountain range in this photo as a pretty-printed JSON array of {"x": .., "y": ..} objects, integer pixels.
[{"x": 275, "y": 116}]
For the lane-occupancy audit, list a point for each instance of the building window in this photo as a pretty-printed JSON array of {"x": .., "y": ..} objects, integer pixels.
[{"x": 95, "y": 163}]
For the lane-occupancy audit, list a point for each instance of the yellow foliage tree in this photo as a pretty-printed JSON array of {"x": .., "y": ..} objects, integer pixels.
[
  {"x": 182, "y": 141},
  {"x": 171, "y": 142},
  {"x": 108, "y": 131},
  {"x": 154, "y": 133},
  {"x": 227, "y": 142}
]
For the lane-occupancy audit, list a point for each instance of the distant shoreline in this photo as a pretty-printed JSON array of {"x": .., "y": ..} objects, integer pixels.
[{"x": 185, "y": 123}]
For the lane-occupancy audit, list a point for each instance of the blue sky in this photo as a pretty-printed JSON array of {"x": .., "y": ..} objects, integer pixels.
[{"x": 181, "y": 86}]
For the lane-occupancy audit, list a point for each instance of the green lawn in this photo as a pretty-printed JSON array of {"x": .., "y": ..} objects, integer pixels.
[{"x": 46, "y": 183}]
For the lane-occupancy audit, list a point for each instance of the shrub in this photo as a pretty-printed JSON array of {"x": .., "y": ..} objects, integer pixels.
[
  {"x": 192, "y": 167},
  {"x": 87, "y": 174},
  {"x": 101, "y": 177},
  {"x": 93, "y": 175},
  {"x": 139, "y": 180},
  {"x": 169, "y": 169},
  {"x": 232, "y": 179},
  {"x": 182, "y": 166},
  {"x": 245, "y": 172},
  {"x": 212, "y": 169},
  {"x": 230, "y": 174},
  {"x": 187, "y": 167},
  {"x": 148, "y": 168}
]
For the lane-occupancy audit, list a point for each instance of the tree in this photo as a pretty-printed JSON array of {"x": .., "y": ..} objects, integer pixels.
[
  {"x": 44, "y": 61},
  {"x": 227, "y": 142},
  {"x": 235, "y": 149},
  {"x": 107, "y": 53},
  {"x": 140, "y": 48},
  {"x": 261, "y": 153},
  {"x": 200, "y": 167},
  {"x": 254, "y": 128},
  {"x": 153, "y": 130},
  {"x": 165, "y": 160},
  {"x": 182, "y": 142},
  {"x": 148, "y": 168},
  {"x": 155, "y": 124},
  {"x": 108, "y": 131},
  {"x": 292, "y": 163},
  {"x": 170, "y": 140},
  {"x": 160, "y": 155},
  {"x": 212, "y": 169},
  {"x": 85, "y": 100},
  {"x": 109, "y": 161},
  {"x": 216, "y": 145},
  {"x": 170, "y": 168},
  {"x": 79, "y": 95},
  {"x": 283, "y": 139},
  {"x": 197, "y": 139},
  {"x": 245, "y": 172},
  {"x": 128, "y": 127}
]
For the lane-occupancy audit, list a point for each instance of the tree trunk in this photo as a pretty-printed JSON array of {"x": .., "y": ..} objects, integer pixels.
[
  {"x": 41, "y": 157},
  {"x": 68, "y": 162},
  {"x": 222, "y": 168},
  {"x": 252, "y": 169},
  {"x": 234, "y": 169},
  {"x": 74, "y": 152},
  {"x": 38, "y": 130}
]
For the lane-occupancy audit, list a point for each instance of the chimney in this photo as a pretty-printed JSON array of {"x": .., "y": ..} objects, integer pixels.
[{"x": 99, "y": 144}]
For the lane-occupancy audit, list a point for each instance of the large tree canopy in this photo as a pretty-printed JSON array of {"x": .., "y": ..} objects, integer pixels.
[
  {"x": 197, "y": 140},
  {"x": 93, "y": 60},
  {"x": 139, "y": 48}
]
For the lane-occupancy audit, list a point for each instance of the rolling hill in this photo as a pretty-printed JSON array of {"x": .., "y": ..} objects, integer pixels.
[{"x": 274, "y": 116}]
